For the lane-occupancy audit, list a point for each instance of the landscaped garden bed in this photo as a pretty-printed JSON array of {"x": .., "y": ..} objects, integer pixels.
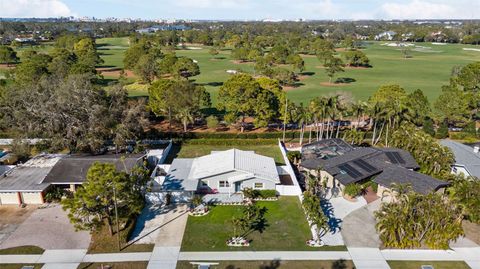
[{"x": 286, "y": 229}]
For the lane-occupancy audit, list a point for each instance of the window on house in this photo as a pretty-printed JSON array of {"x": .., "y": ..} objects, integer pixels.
[
  {"x": 224, "y": 184},
  {"x": 258, "y": 185}
]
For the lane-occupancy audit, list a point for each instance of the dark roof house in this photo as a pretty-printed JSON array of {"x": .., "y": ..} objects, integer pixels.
[
  {"x": 385, "y": 165},
  {"x": 73, "y": 169}
]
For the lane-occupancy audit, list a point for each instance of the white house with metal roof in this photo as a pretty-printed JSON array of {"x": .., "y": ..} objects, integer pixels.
[
  {"x": 221, "y": 172},
  {"x": 467, "y": 159}
]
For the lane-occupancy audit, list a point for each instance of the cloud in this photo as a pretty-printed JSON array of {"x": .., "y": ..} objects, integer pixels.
[
  {"x": 33, "y": 8},
  {"x": 418, "y": 9}
]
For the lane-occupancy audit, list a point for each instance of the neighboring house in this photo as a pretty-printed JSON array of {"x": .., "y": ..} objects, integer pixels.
[
  {"x": 467, "y": 159},
  {"x": 223, "y": 172},
  {"x": 71, "y": 171},
  {"x": 388, "y": 35},
  {"x": 24, "y": 184},
  {"x": 340, "y": 164}
]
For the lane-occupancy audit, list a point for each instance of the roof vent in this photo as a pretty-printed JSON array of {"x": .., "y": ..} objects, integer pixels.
[{"x": 476, "y": 149}]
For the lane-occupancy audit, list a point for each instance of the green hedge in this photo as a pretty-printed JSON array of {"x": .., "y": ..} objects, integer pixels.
[
  {"x": 231, "y": 142},
  {"x": 218, "y": 135},
  {"x": 267, "y": 193},
  {"x": 352, "y": 189}
]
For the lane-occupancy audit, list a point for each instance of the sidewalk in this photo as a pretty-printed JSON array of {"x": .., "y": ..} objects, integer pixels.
[{"x": 166, "y": 257}]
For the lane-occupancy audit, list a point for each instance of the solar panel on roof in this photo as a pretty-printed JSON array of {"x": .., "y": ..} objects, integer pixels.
[
  {"x": 350, "y": 170},
  {"x": 365, "y": 166},
  {"x": 395, "y": 157}
]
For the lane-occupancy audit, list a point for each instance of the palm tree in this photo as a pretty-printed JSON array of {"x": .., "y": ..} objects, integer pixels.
[{"x": 185, "y": 116}]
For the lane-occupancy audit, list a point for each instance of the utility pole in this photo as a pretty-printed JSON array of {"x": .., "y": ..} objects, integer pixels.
[
  {"x": 285, "y": 119},
  {"x": 116, "y": 216}
]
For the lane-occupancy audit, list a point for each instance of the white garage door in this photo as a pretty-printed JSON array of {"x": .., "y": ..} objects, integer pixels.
[
  {"x": 34, "y": 198},
  {"x": 9, "y": 198}
]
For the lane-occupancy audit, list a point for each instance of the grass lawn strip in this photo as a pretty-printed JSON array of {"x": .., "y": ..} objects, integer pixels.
[
  {"x": 436, "y": 265},
  {"x": 192, "y": 151},
  {"x": 340, "y": 264},
  {"x": 19, "y": 266},
  {"x": 114, "y": 265},
  {"x": 287, "y": 229},
  {"x": 22, "y": 250}
]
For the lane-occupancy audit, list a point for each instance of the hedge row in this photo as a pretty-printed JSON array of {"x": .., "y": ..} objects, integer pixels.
[
  {"x": 231, "y": 142},
  {"x": 192, "y": 135}
]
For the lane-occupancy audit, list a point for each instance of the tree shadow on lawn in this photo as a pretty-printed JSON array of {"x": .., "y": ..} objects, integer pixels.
[
  {"x": 338, "y": 264},
  {"x": 308, "y": 73},
  {"x": 345, "y": 80},
  {"x": 333, "y": 222},
  {"x": 213, "y": 83}
]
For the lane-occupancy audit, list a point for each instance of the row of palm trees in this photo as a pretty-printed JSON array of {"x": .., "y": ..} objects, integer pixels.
[{"x": 322, "y": 117}]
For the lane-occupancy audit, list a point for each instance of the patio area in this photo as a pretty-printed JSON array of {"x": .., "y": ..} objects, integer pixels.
[{"x": 226, "y": 198}]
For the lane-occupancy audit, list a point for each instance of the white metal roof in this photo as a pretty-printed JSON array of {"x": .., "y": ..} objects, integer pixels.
[{"x": 231, "y": 160}]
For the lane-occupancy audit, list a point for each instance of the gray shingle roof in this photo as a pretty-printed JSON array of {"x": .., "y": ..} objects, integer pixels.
[
  {"x": 73, "y": 169},
  {"x": 464, "y": 156},
  {"x": 420, "y": 183},
  {"x": 30, "y": 175}
]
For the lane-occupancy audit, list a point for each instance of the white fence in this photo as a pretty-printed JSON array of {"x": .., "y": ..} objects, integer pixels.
[{"x": 288, "y": 190}]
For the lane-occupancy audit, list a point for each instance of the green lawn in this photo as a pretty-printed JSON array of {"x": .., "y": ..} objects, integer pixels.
[
  {"x": 19, "y": 266},
  {"x": 340, "y": 264},
  {"x": 114, "y": 265},
  {"x": 287, "y": 229},
  {"x": 22, "y": 250},
  {"x": 436, "y": 265},
  {"x": 191, "y": 150},
  {"x": 112, "y": 51},
  {"x": 426, "y": 70}
]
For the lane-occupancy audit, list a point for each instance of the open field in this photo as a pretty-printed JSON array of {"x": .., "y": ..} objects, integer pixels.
[
  {"x": 287, "y": 229},
  {"x": 427, "y": 70},
  {"x": 436, "y": 265},
  {"x": 111, "y": 51},
  {"x": 192, "y": 150},
  {"x": 340, "y": 264},
  {"x": 114, "y": 265}
]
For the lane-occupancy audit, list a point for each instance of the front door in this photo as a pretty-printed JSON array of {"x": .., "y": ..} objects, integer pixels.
[{"x": 238, "y": 186}]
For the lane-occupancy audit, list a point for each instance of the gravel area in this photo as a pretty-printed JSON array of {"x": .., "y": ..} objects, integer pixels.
[{"x": 48, "y": 228}]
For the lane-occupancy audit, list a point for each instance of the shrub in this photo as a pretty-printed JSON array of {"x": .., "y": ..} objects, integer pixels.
[
  {"x": 372, "y": 184},
  {"x": 232, "y": 142},
  {"x": 428, "y": 127},
  {"x": 294, "y": 155},
  {"x": 267, "y": 193},
  {"x": 212, "y": 122},
  {"x": 352, "y": 190},
  {"x": 442, "y": 131}
]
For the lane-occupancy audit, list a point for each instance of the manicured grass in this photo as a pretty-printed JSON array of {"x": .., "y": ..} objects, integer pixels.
[
  {"x": 112, "y": 51},
  {"x": 287, "y": 229},
  {"x": 426, "y": 70},
  {"x": 22, "y": 250},
  {"x": 191, "y": 151},
  {"x": 103, "y": 242},
  {"x": 436, "y": 265},
  {"x": 114, "y": 265},
  {"x": 340, "y": 264},
  {"x": 19, "y": 266}
]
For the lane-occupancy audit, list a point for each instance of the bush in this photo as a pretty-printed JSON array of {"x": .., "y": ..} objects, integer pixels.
[
  {"x": 212, "y": 122},
  {"x": 352, "y": 190},
  {"x": 294, "y": 155},
  {"x": 428, "y": 127},
  {"x": 372, "y": 184},
  {"x": 442, "y": 131},
  {"x": 264, "y": 194}
]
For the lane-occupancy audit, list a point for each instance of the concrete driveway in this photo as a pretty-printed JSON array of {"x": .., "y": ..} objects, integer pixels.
[
  {"x": 161, "y": 225},
  {"x": 11, "y": 216},
  {"x": 358, "y": 227},
  {"x": 48, "y": 228}
]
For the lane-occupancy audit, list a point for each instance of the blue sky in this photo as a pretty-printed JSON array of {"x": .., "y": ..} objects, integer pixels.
[{"x": 245, "y": 9}]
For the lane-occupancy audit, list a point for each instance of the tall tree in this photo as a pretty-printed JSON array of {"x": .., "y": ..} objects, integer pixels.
[{"x": 333, "y": 65}]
